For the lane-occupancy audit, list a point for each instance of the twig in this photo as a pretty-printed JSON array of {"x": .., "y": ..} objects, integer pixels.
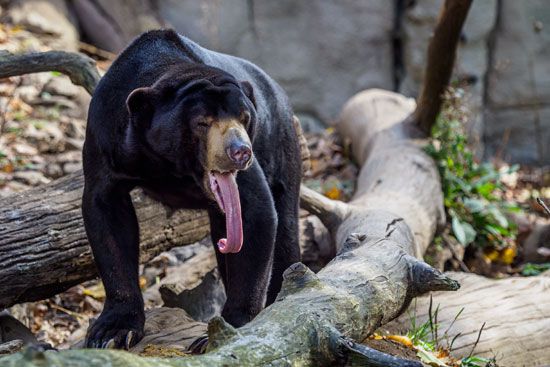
[
  {"x": 450, "y": 246},
  {"x": 477, "y": 340},
  {"x": 93, "y": 50},
  {"x": 330, "y": 212},
  {"x": 76, "y": 315},
  {"x": 544, "y": 206}
]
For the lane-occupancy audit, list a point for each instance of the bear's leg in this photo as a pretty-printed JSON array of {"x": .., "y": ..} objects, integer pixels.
[
  {"x": 113, "y": 233},
  {"x": 247, "y": 272},
  {"x": 287, "y": 246}
]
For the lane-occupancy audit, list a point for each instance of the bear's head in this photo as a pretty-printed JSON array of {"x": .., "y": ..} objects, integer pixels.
[{"x": 199, "y": 121}]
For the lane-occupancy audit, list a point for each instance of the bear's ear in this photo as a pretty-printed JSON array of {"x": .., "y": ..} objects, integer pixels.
[
  {"x": 140, "y": 103},
  {"x": 248, "y": 91}
]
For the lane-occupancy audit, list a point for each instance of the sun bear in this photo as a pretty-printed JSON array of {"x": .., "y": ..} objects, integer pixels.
[{"x": 193, "y": 128}]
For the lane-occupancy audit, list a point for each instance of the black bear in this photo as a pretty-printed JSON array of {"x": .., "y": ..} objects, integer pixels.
[{"x": 193, "y": 128}]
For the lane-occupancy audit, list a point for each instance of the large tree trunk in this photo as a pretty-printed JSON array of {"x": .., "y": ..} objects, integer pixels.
[
  {"x": 515, "y": 311},
  {"x": 43, "y": 245}
]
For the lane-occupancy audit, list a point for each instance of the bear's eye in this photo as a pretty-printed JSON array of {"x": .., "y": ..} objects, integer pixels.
[
  {"x": 245, "y": 118},
  {"x": 202, "y": 123}
]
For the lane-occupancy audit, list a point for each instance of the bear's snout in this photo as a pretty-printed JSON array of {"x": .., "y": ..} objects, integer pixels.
[
  {"x": 240, "y": 153},
  {"x": 229, "y": 147}
]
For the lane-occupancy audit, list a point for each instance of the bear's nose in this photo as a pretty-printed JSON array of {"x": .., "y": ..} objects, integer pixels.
[{"x": 240, "y": 153}]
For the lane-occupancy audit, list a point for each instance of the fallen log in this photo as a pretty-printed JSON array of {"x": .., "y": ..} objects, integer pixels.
[
  {"x": 43, "y": 245},
  {"x": 515, "y": 311}
]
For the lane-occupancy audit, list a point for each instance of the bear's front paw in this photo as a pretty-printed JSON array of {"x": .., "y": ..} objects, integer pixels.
[{"x": 116, "y": 328}]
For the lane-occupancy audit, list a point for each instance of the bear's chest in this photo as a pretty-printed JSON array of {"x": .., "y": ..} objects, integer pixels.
[{"x": 176, "y": 193}]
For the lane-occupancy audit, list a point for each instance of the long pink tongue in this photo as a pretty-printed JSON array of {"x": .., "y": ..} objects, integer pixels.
[{"x": 232, "y": 206}]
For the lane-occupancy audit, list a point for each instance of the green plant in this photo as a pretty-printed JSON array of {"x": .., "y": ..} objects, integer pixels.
[
  {"x": 475, "y": 361},
  {"x": 472, "y": 191},
  {"x": 530, "y": 269},
  {"x": 427, "y": 342}
]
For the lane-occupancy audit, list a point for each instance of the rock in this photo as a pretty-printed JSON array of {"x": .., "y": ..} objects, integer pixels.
[
  {"x": 53, "y": 170},
  {"x": 74, "y": 128},
  {"x": 76, "y": 144},
  {"x": 106, "y": 23},
  {"x": 513, "y": 135},
  {"x": 49, "y": 100},
  {"x": 37, "y": 81},
  {"x": 32, "y": 178},
  {"x": 520, "y": 75},
  {"x": 317, "y": 243},
  {"x": 193, "y": 300},
  {"x": 71, "y": 167},
  {"x": 5, "y": 177},
  {"x": 187, "y": 275},
  {"x": 14, "y": 186},
  {"x": 28, "y": 93},
  {"x": 321, "y": 52},
  {"x": 69, "y": 157},
  {"x": 46, "y": 17},
  {"x": 24, "y": 149},
  {"x": 12, "y": 329},
  {"x": 47, "y": 137},
  {"x": 519, "y": 82},
  {"x": 62, "y": 86},
  {"x": 536, "y": 245}
]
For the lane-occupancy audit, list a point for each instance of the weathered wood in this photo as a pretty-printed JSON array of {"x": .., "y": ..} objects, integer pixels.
[
  {"x": 80, "y": 68},
  {"x": 43, "y": 245},
  {"x": 516, "y": 313}
]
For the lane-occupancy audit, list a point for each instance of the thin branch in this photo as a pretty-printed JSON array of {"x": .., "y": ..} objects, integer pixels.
[
  {"x": 80, "y": 68},
  {"x": 477, "y": 340},
  {"x": 439, "y": 68},
  {"x": 330, "y": 212},
  {"x": 544, "y": 206}
]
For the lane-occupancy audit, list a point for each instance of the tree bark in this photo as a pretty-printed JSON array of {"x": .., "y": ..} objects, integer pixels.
[
  {"x": 43, "y": 245},
  {"x": 80, "y": 68},
  {"x": 440, "y": 61},
  {"x": 516, "y": 313}
]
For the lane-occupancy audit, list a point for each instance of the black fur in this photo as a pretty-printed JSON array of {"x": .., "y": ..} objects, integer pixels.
[{"x": 155, "y": 140}]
